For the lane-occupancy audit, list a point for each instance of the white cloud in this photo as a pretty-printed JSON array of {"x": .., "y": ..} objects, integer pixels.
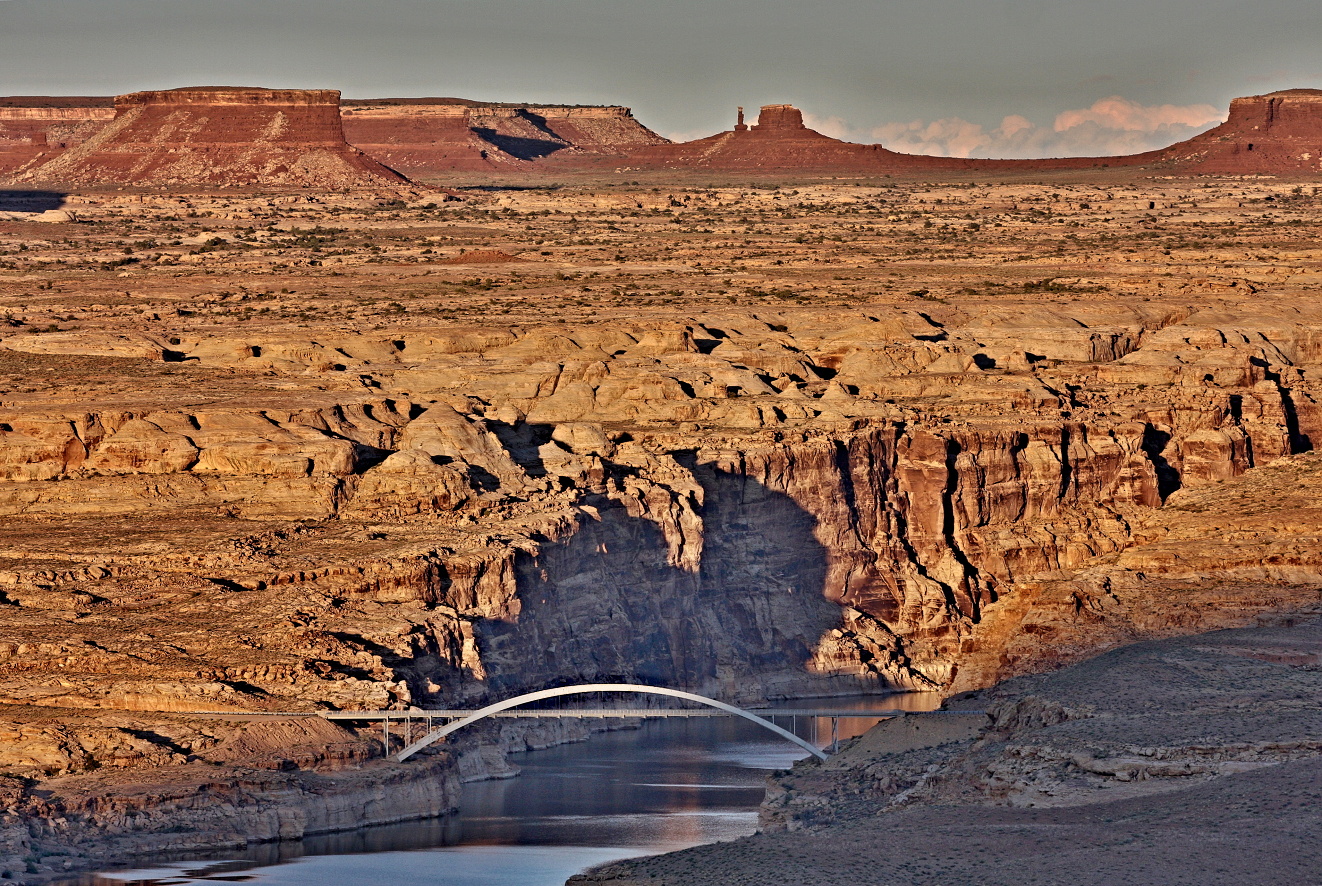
[
  {"x": 835, "y": 127},
  {"x": 1113, "y": 125}
]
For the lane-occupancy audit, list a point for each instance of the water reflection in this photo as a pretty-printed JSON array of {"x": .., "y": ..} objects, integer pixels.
[{"x": 664, "y": 786}]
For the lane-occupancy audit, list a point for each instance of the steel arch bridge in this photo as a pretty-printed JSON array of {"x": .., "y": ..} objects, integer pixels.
[{"x": 541, "y": 695}]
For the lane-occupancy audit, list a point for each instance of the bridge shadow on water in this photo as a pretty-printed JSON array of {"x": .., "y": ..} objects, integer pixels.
[
  {"x": 606, "y": 605},
  {"x": 18, "y": 200}
]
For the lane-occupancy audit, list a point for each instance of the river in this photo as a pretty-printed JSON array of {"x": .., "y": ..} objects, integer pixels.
[{"x": 667, "y": 785}]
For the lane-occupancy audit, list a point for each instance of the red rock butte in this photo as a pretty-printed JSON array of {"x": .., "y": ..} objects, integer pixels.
[
  {"x": 779, "y": 140},
  {"x": 1277, "y": 132},
  {"x": 218, "y": 136},
  {"x": 40, "y": 126}
]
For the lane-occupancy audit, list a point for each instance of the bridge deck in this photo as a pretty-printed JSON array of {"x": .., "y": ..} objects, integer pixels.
[
  {"x": 630, "y": 713},
  {"x": 526, "y": 713}
]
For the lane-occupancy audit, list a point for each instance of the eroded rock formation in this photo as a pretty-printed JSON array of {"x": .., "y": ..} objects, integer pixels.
[
  {"x": 35, "y": 128},
  {"x": 289, "y": 452},
  {"x": 1280, "y": 132},
  {"x": 1277, "y": 133},
  {"x": 218, "y": 137},
  {"x": 1265, "y": 134},
  {"x": 431, "y": 136},
  {"x": 554, "y": 521}
]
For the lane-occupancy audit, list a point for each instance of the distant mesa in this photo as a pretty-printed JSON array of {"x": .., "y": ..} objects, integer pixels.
[
  {"x": 779, "y": 140},
  {"x": 1265, "y": 134},
  {"x": 1279, "y": 132},
  {"x": 309, "y": 138},
  {"x": 217, "y": 136},
  {"x": 429, "y": 136},
  {"x": 33, "y": 126}
]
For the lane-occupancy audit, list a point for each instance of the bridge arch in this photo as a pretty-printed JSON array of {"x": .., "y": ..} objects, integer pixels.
[{"x": 541, "y": 695}]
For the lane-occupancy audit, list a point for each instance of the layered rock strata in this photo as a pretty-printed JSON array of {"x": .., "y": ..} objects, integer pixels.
[
  {"x": 283, "y": 453},
  {"x": 1280, "y": 132},
  {"x": 553, "y": 520},
  {"x": 35, "y": 128},
  {"x": 1277, "y": 133},
  {"x": 431, "y": 136},
  {"x": 224, "y": 137}
]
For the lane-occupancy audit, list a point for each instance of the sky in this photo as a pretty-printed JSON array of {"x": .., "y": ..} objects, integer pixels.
[{"x": 1009, "y": 78}]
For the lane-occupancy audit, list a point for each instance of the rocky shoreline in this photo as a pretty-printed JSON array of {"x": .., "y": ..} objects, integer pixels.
[
  {"x": 93, "y": 822},
  {"x": 1192, "y": 760},
  {"x": 269, "y": 783}
]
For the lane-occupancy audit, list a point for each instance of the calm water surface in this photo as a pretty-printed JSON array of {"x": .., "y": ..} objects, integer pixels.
[{"x": 668, "y": 785}]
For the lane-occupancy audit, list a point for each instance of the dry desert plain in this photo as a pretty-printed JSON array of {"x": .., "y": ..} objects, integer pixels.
[{"x": 756, "y": 437}]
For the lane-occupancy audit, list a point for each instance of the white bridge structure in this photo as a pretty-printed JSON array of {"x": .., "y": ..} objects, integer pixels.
[
  {"x": 542, "y": 695},
  {"x": 514, "y": 707}
]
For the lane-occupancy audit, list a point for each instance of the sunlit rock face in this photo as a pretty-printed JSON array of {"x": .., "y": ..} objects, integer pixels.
[
  {"x": 34, "y": 129},
  {"x": 749, "y": 510},
  {"x": 422, "y": 137},
  {"x": 219, "y": 137},
  {"x": 1277, "y": 132}
]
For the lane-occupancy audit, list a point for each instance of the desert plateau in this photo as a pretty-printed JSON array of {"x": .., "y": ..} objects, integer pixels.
[{"x": 312, "y": 405}]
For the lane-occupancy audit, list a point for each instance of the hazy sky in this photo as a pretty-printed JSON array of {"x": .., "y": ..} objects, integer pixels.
[{"x": 1008, "y": 77}]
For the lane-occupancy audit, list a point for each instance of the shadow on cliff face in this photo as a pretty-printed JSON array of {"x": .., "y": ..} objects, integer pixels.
[
  {"x": 606, "y": 605},
  {"x": 30, "y": 201},
  {"x": 523, "y": 148}
]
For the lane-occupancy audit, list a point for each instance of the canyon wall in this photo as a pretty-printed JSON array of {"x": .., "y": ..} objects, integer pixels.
[{"x": 565, "y": 520}]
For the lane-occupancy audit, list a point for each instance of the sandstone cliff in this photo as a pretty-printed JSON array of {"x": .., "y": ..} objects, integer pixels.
[
  {"x": 548, "y": 517},
  {"x": 217, "y": 137},
  {"x": 1277, "y": 133},
  {"x": 1280, "y": 132},
  {"x": 431, "y": 136}
]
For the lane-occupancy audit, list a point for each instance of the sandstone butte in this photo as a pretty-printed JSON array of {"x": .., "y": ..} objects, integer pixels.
[
  {"x": 1276, "y": 133},
  {"x": 296, "y": 451},
  {"x": 212, "y": 137}
]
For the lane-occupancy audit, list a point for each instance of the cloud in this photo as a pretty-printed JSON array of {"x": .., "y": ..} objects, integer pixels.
[
  {"x": 835, "y": 127},
  {"x": 1112, "y": 125}
]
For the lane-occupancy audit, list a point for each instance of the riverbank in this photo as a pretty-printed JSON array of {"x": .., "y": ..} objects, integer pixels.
[
  {"x": 266, "y": 782},
  {"x": 1196, "y": 760}
]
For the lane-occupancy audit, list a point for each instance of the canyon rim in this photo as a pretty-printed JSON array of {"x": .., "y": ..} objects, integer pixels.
[{"x": 314, "y": 405}]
